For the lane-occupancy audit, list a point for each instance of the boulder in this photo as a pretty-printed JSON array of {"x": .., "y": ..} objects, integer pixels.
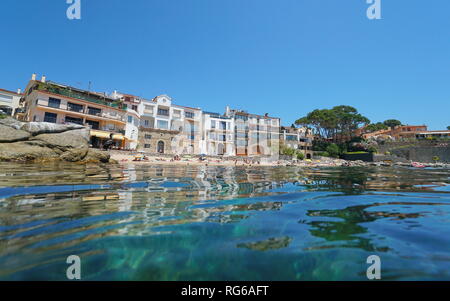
[
  {"x": 41, "y": 142},
  {"x": 25, "y": 152},
  {"x": 95, "y": 155},
  {"x": 74, "y": 155},
  {"x": 65, "y": 140},
  {"x": 9, "y": 134},
  {"x": 37, "y": 128}
]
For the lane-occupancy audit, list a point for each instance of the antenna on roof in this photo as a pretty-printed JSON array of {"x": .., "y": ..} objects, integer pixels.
[{"x": 89, "y": 86}]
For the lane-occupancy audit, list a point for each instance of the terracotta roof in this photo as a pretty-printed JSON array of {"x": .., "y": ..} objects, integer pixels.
[{"x": 7, "y": 91}]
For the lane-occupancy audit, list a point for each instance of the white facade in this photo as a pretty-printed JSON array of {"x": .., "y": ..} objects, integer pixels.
[
  {"x": 135, "y": 106},
  {"x": 217, "y": 135},
  {"x": 182, "y": 123},
  {"x": 9, "y": 101}
]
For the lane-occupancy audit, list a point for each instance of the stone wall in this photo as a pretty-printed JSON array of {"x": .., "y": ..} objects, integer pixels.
[
  {"x": 419, "y": 151},
  {"x": 149, "y": 139}
]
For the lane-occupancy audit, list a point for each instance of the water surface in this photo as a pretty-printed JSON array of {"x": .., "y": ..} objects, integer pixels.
[{"x": 140, "y": 222}]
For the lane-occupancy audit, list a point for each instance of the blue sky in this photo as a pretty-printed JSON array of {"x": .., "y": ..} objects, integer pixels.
[{"x": 285, "y": 57}]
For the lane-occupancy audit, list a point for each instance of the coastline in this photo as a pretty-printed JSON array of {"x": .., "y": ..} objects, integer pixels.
[{"x": 122, "y": 159}]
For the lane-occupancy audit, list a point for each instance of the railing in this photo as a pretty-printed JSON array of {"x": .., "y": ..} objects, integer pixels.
[{"x": 77, "y": 95}]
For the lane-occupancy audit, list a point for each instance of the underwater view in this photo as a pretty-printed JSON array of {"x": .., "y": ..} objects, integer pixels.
[{"x": 137, "y": 222}]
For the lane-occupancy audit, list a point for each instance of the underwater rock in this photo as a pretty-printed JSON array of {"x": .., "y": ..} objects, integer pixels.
[{"x": 269, "y": 244}]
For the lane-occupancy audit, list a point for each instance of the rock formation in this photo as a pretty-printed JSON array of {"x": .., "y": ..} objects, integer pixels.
[{"x": 42, "y": 141}]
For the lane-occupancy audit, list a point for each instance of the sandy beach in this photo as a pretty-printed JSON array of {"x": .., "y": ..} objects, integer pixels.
[{"x": 137, "y": 158}]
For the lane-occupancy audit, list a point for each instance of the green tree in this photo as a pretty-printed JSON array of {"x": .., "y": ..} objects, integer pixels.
[
  {"x": 337, "y": 123},
  {"x": 392, "y": 123},
  {"x": 373, "y": 127},
  {"x": 448, "y": 128},
  {"x": 333, "y": 150}
]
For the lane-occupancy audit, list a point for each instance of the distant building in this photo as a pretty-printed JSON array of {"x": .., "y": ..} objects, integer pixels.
[
  {"x": 397, "y": 133},
  {"x": 134, "y": 107},
  {"x": 9, "y": 101},
  {"x": 407, "y": 131},
  {"x": 218, "y": 135},
  {"x": 433, "y": 135},
  {"x": 255, "y": 135},
  {"x": 300, "y": 139},
  {"x": 169, "y": 129},
  {"x": 57, "y": 103}
]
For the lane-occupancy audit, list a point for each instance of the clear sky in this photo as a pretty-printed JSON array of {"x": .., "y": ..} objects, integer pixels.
[{"x": 284, "y": 57}]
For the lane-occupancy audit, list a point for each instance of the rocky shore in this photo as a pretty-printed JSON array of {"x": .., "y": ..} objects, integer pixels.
[{"x": 43, "y": 142}]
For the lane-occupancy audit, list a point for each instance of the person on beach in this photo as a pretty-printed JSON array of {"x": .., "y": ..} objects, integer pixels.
[{"x": 109, "y": 143}]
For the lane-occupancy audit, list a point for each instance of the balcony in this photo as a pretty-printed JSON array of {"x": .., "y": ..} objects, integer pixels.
[
  {"x": 64, "y": 91},
  {"x": 75, "y": 108}
]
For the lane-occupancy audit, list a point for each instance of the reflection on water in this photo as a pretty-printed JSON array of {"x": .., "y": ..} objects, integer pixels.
[{"x": 137, "y": 222}]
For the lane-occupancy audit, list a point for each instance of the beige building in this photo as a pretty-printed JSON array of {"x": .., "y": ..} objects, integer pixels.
[
  {"x": 57, "y": 103},
  {"x": 168, "y": 128},
  {"x": 300, "y": 139},
  {"x": 255, "y": 135}
]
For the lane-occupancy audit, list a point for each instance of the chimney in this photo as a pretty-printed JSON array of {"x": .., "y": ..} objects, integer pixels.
[
  {"x": 43, "y": 79},
  {"x": 19, "y": 91},
  {"x": 33, "y": 76},
  {"x": 227, "y": 111}
]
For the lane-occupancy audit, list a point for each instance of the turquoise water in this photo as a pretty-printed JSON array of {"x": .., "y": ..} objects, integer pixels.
[{"x": 139, "y": 222}]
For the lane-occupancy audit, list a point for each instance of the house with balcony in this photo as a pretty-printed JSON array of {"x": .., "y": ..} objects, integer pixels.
[
  {"x": 46, "y": 101},
  {"x": 167, "y": 128},
  {"x": 134, "y": 106},
  {"x": 255, "y": 135},
  {"x": 9, "y": 101},
  {"x": 218, "y": 137},
  {"x": 300, "y": 139}
]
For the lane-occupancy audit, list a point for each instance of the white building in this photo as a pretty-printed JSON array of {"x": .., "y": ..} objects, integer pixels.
[
  {"x": 9, "y": 101},
  {"x": 217, "y": 135},
  {"x": 169, "y": 128},
  {"x": 134, "y": 109}
]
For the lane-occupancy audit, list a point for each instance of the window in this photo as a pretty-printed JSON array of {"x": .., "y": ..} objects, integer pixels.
[
  {"x": 147, "y": 136},
  {"x": 130, "y": 119},
  {"x": 50, "y": 117},
  {"x": 134, "y": 108},
  {"x": 162, "y": 124},
  {"x": 94, "y": 111},
  {"x": 69, "y": 119},
  {"x": 147, "y": 145},
  {"x": 241, "y": 143},
  {"x": 54, "y": 102},
  {"x": 213, "y": 124},
  {"x": 163, "y": 112},
  {"x": 95, "y": 125},
  {"x": 75, "y": 107},
  {"x": 223, "y": 125},
  {"x": 189, "y": 114}
]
